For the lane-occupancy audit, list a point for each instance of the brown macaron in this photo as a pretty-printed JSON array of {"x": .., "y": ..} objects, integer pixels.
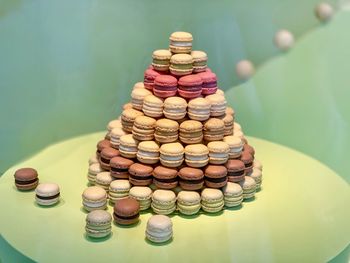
[
  {"x": 140, "y": 174},
  {"x": 248, "y": 148},
  {"x": 120, "y": 167},
  {"x": 235, "y": 170},
  {"x": 26, "y": 179},
  {"x": 215, "y": 176},
  {"x": 101, "y": 145},
  {"x": 191, "y": 178},
  {"x": 164, "y": 177},
  {"x": 248, "y": 160},
  {"x": 106, "y": 155},
  {"x": 126, "y": 211}
]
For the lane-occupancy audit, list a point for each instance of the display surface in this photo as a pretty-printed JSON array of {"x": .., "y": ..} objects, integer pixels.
[{"x": 291, "y": 218}]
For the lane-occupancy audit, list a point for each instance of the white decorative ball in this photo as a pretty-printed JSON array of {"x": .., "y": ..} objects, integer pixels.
[
  {"x": 324, "y": 12},
  {"x": 284, "y": 40},
  {"x": 244, "y": 69}
]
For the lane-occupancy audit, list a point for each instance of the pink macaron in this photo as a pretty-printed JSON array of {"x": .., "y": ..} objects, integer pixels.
[
  {"x": 150, "y": 74},
  {"x": 190, "y": 86},
  {"x": 209, "y": 82},
  {"x": 165, "y": 86}
]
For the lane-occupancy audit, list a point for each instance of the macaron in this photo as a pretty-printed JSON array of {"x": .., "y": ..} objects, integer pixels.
[
  {"x": 228, "y": 121},
  {"x": 120, "y": 167},
  {"x": 148, "y": 152},
  {"x": 233, "y": 194},
  {"x": 153, "y": 106},
  {"x": 188, "y": 202},
  {"x": 47, "y": 194},
  {"x": 93, "y": 159},
  {"x": 149, "y": 76},
  {"x": 159, "y": 229},
  {"x": 212, "y": 200},
  {"x": 143, "y": 195},
  {"x": 190, "y": 86},
  {"x": 128, "y": 117},
  {"x": 94, "y": 198},
  {"x": 127, "y": 105},
  {"x": 191, "y": 132},
  {"x": 218, "y": 152},
  {"x": 218, "y": 104},
  {"x": 256, "y": 174},
  {"x": 101, "y": 145},
  {"x": 98, "y": 224},
  {"x": 115, "y": 135},
  {"x": 26, "y": 179},
  {"x": 161, "y": 59},
  {"x": 199, "y": 109},
  {"x": 94, "y": 169},
  {"x": 143, "y": 129},
  {"x": 235, "y": 170},
  {"x": 139, "y": 85},
  {"x": 140, "y": 174},
  {"x": 214, "y": 130},
  {"x": 209, "y": 84},
  {"x": 248, "y": 148},
  {"x": 230, "y": 111},
  {"x": 126, "y": 211},
  {"x": 103, "y": 180},
  {"x": 163, "y": 202},
  {"x": 165, "y": 177},
  {"x": 175, "y": 108},
  {"x": 171, "y": 154},
  {"x": 196, "y": 155},
  {"x": 118, "y": 189},
  {"x": 248, "y": 160},
  {"x": 111, "y": 125},
  {"x": 181, "y": 64},
  {"x": 220, "y": 92},
  {"x": 166, "y": 131},
  {"x": 180, "y": 42},
  {"x": 137, "y": 97},
  {"x": 191, "y": 178},
  {"x": 248, "y": 185},
  {"x": 165, "y": 86},
  {"x": 200, "y": 59},
  {"x": 237, "y": 126},
  {"x": 236, "y": 146},
  {"x": 128, "y": 146},
  {"x": 257, "y": 164},
  {"x": 106, "y": 155},
  {"x": 215, "y": 176}
]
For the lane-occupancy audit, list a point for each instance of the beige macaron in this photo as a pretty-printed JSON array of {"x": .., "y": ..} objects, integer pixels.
[
  {"x": 128, "y": 146},
  {"x": 172, "y": 154},
  {"x": 175, "y": 108},
  {"x": 137, "y": 97},
  {"x": 218, "y": 104},
  {"x": 153, "y": 106},
  {"x": 148, "y": 152},
  {"x": 128, "y": 118},
  {"x": 191, "y": 132},
  {"x": 236, "y": 146},
  {"x": 166, "y": 131},
  {"x": 214, "y": 129}
]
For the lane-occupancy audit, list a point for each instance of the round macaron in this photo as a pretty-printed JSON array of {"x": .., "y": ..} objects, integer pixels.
[
  {"x": 209, "y": 83},
  {"x": 249, "y": 149},
  {"x": 143, "y": 129},
  {"x": 106, "y": 155},
  {"x": 161, "y": 59},
  {"x": 120, "y": 167},
  {"x": 218, "y": 104},
  {"x": 236, "y": 146},
  {"x": 218, "y": 152},
  {"x": 148, "y": 152},
  {"x": 200, "y": 59},
  {"x": 128, "y": 105},
  {"x": 101, "y": 145},
  {"x": 191, "y": 132},
  {"x": 128, "y": 146},
  {"x": 118, "y": 189},
  {"x": 166, "y": 131},
  {"x": 165, "y": 177},
  {"x": 256, "y": 174},
  {"x": 196, "y": 155},
  {"x": 228, "y": 121},
  {"x": 181, "y": 64},
  {"x": 248, "y": 185},
  {"x": 175, "y": 108},
  {"x": 143, "y": 195},
  {"x": 215, "y": 176},
  {"x": 163, "y": 202},
  {"x": 180, "y": 42},
  {"x": 165, "y": 86},
  {"x": 47, "y": 194},
  {"x": 188, "y": 202},
  {"x": 233, "y": 194},
  {"x": 103, "y": 180},
  {"x": 93, "y": 159},
  {"x": 149, "y": 76},
  {"x": 172, "y": 154},
  {"x": 94, "y": 169},
  {"x": 212, "y": 200},
  {"x": 191, "y": 178},
  {"x": 257, "y": 164},
  {"x": 115, "y": 135},
  {"x": 140, "y": 174},
  {"x": 159, "y": 229},
  {"x": 153, "y": 106},
  {"x": 128, "y": 117},
  {"x": 214, "y": 130},
  {"x": 94, "y": 198},
  {"x": 98, "y": 224},
  {"x": 126, "y": 211},
  {"x": 137, "y": 97},
  {"x": 190, "y": 86},
  {"x": 26, "y": 179},
  {"x": 199, "y": 109},
  {"x": 235, "y": 170}
]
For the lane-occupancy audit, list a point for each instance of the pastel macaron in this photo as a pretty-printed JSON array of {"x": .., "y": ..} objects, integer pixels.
[
  {"x": 165, "y": 86},
  {"x": 236, "y": 146},
  {"x": 153, "y": 106},
  {"x": 161, "y": 59},
  {"x": 188, "y": 202},
  {"x": 115, "y": 135},
  {"x": 200, "y": 59},
  {"x": 218, "y": 105},
  {"x": 165, "y": 177},
  {"x": 47, "y": 194},
  {"x": 140, "y": 174},
  {"x": 163, "y": 202},
  {"x": 218, "y": 152},
  {"x": 149, "y": 76},
  {"x": 94, "y": 197},
  {"x": 143, "y": 195},
  {"x": 196, "y": 155},
  {"x": 181, "y": 64},
  {"x": 215, "y": 176},
  {"x": 199, "y": 109},
  {"x": 143, "y": 129},
  {"x": 98, "y": 224},
  {"x": 118, "y": 189},
  {"x": 175, "y": 108},
  {"x": 209, "y": 85},
  {"x": 111, "y": 125},
  {"x": 180, "y": 42},
  {"x": 233, "y": 194},
  {"x": 235, "y": 170},
  {"x": 190, "y": 86},
  {"x": 128, "y": 146},
  {"x": 120, "y": 167},
  {"x": 137, "y": 97},
  {"x": 159, "y": 229},
  {"x": 214, "y": 130},
  {"x": 256, "y": 174},
  {"x": 172, "y": 154},
  {"x": 138, "y": 85},
  {"x": 128, "y": 117},
  {"x": 103, "y": 180},
  {"x": 94, "y": 169},
  {"x": 126, "y": 211},
  {"x": 26, "y": 179},
  {"x": 212, "y": 200},
  {"x": 166, "y": 131},
  {"x": 228, "y": 122},
  {"x": 191, "y": 132},
  {"x": 248, "y": 185},
  {"x": 106, "y": 155},
  {"x": 191, "y": 178},
  {"x": 148, "y": 152}
]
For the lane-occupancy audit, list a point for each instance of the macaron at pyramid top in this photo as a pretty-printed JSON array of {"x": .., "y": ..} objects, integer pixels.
[{"x": 181, "y": 36}]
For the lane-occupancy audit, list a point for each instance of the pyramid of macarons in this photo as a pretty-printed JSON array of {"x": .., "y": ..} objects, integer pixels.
[{"x": 175, "y": 138}]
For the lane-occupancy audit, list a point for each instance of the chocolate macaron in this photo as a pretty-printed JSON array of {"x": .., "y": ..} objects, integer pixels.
[
  {"x": 101, "y": 145},
  {"x": 26, "y": 179},
  {"x": 126, "y": 211},
  {"x": 106, "y": 155},
  {"x": 235, "y": 170},
  {"x": 248, "y": 160},
  {"x": 120, "y": 167},
  {"x": 215, "y": 176},
  {"x": 164, "y": 177},
  {"x": 140, "y": 174},
  {"x": 191, "y": 178}
]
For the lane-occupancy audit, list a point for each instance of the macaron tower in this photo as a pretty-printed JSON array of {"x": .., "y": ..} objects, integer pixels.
[{"x": 176, "y": 148}]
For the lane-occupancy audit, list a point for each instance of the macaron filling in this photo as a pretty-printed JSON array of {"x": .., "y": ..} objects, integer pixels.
[
  {"x": 26, "y": 182},
  {"x": 119, "y": 170},
  {"x": 216, "y": 180},
  {"x": 104, "y": 160},
  {"x": 187, "y": 181},
  {"x": 136, "y": 177},
  {"x": 166, "y": 180},
  {"x": 126, "y": 217},
  {"x": 235, "y": 173},
  {"x": 181, "y": 43},
  {"x": 48, "y": 197},
  {"x": 211, "y": 84}
]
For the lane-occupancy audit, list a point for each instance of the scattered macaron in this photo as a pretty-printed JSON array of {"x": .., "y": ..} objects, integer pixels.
[
  {"x": 256, "y": 174},
  {"x": 199, "y": 109},
  {"x": 190, "y": 86},
  {"x": 188, "y": 202},
  {"x": 235, "y": 170},
  {"x": 149, "y": 76},
  {"x": 137, "y": 97},
  {"x": 126, "y": 211},
  {"x": 212, "y": 200},
  {"x": 94, "y": 198},
  {"x": 172, "y": 154},
  {"x": 159, "y": 229},
  {"x": 215, "y": 176},
  {"x": 218, "y": 152},
  {"x": 103, "y": 180},
  {"x": 115, "y": 135},
  {"x": 98, "y": 224},
  {"x": 220, "y": 92},
  {"x": 120, "y": 167},
  {"x": 128, "y": 146},
  {"x": 143, "y": 129},
  {"x": 101, "y": 145},
  {"x": 191, "y": 178},
  {"x": 165, "y": 177},
  {"x": 128, "y": 117},
  {"x": 47, "y": 194},
  {"x": 180, "y": 42},
  {"x": 209, "y": 86},
  {"x": 191, "y": 132},
  {"x": 196, "y": 155},
  {"x": 118, "y": 189},
  {"x": 218, "y": 104},
  {"x": 166, "y": 131},
  {"x": 233, "y": 194},
  {"x": 106, "y": 155},
  {"x": 165, "y": 86},
  {"x": 153, "y": 106},
  {"x": 235, "y": 144},
  {"x": 161, "y": 59},
  {"x": 163, "y": 202},
  {"x": 26, "y": 179},
  {"x": 181, "y": 64},
  {"x": 175, "y": 108},
  {"x": 248, "y": 185},
  {"x": 200, "y": 59},
  {"x": 214, "y": 130},
  {"x": 143, "y": 195},
  {"x": 148, "y": 152},
  {"x": 140, "y": 174},
  {"x": 94, "y": 169}
]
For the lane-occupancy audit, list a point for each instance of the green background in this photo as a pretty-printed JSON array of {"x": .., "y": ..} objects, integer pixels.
[{"x": 67, "y": 66}]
